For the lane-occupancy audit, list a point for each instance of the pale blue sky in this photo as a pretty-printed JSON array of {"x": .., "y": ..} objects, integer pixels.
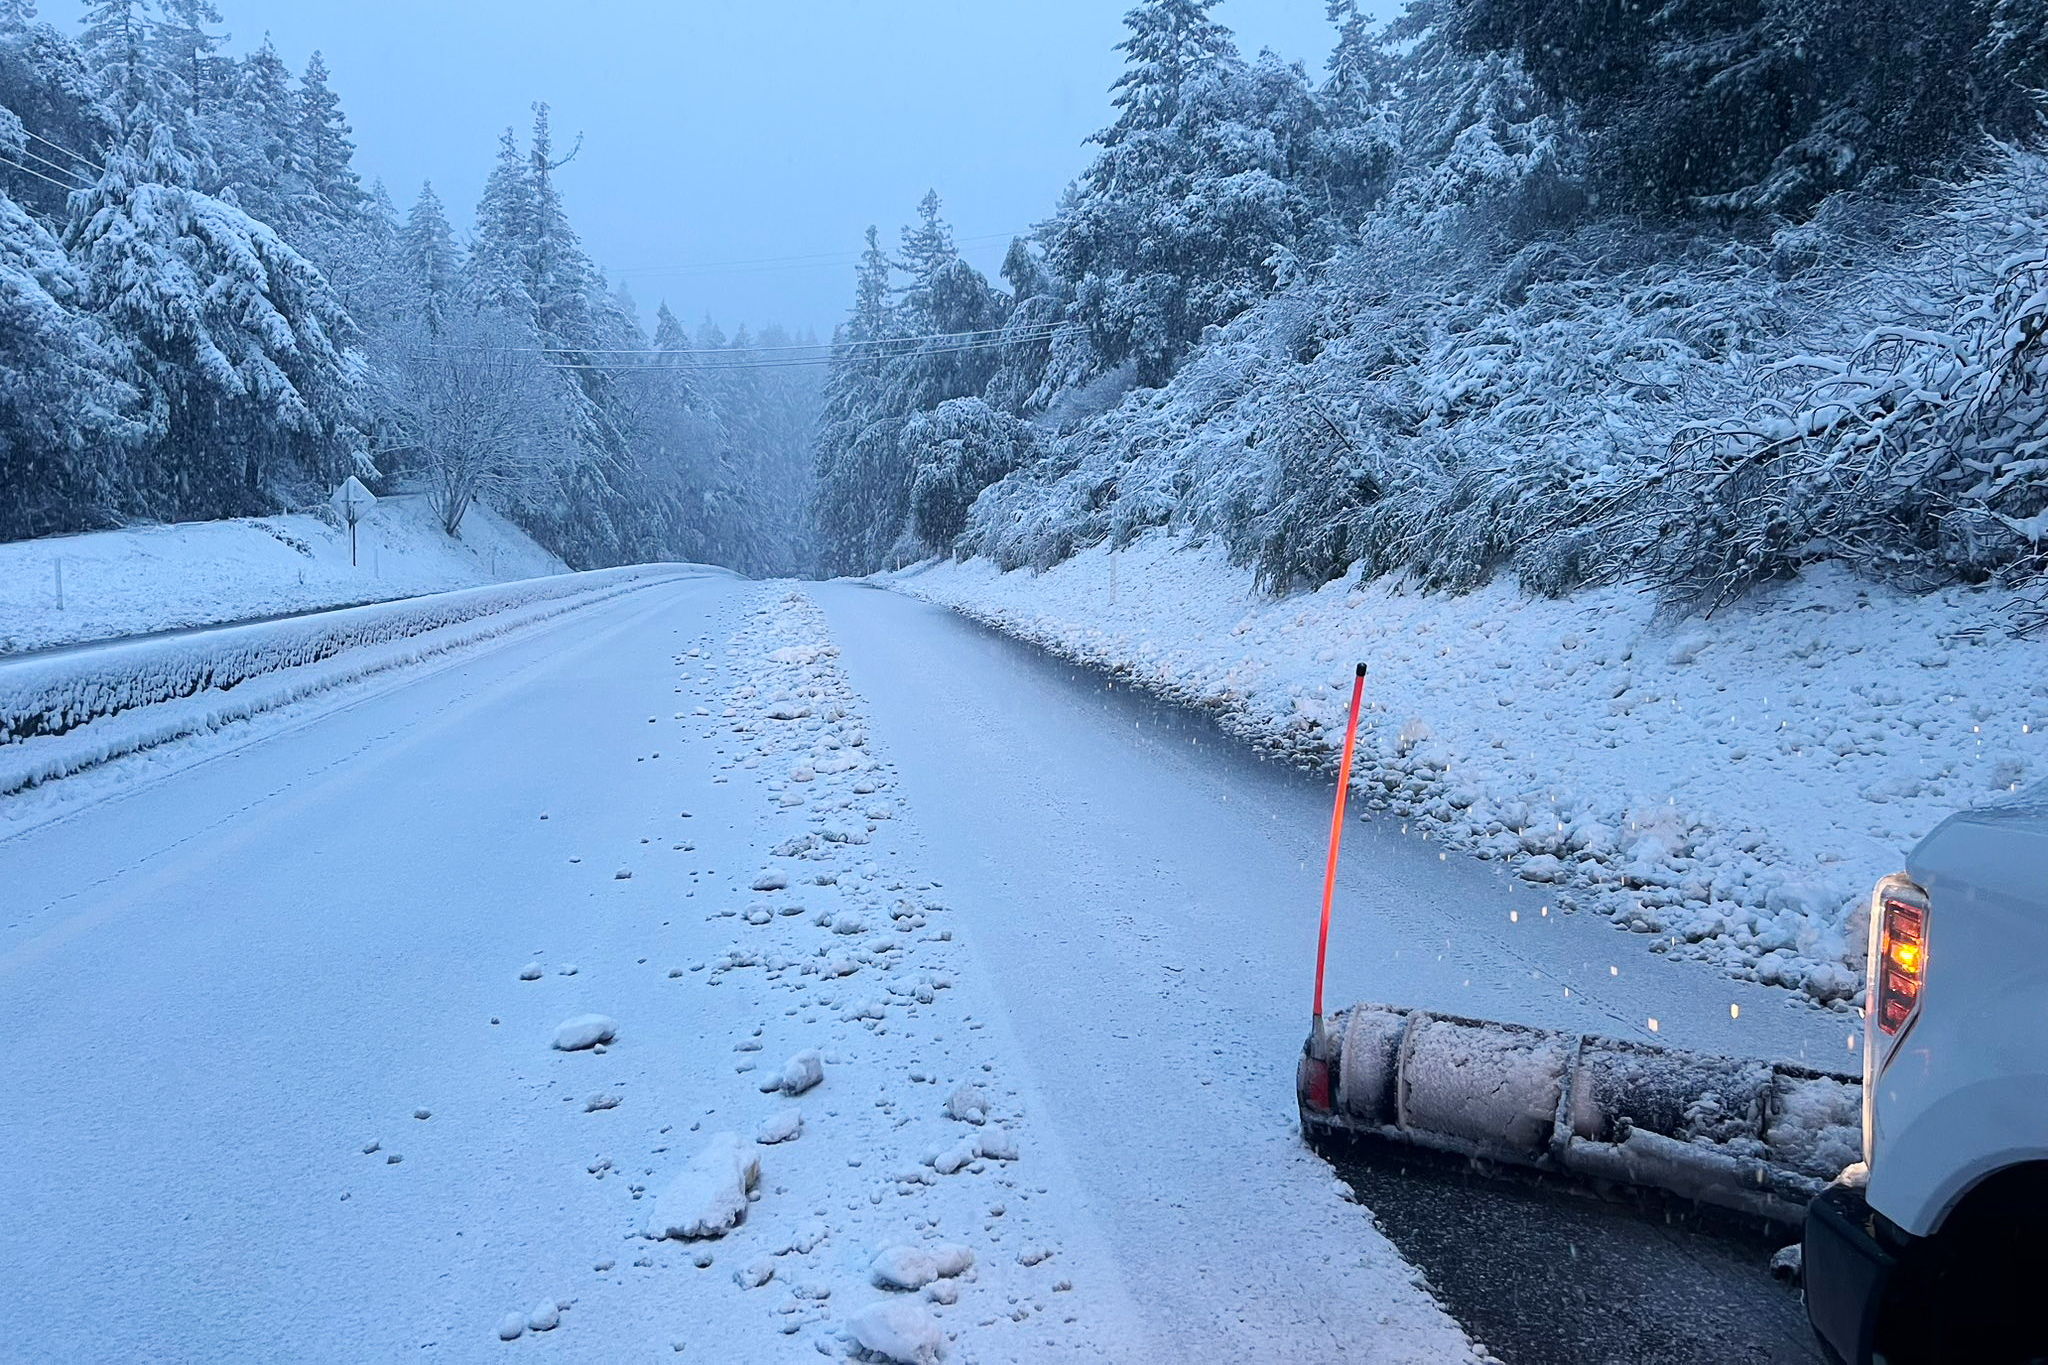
[{"x": 722, "y": 132}]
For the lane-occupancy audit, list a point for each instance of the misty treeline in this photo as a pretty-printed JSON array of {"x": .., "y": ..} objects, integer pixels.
[
  {"x": 204, "y": 313},
  {"x": 1693, "y": 292}
]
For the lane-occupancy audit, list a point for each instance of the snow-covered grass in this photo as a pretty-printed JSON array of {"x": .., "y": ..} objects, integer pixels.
[
  {"x": 1731, "y": 785},
  {"x": 152, "y": 578},
  {"x": 65, "y": 712}
]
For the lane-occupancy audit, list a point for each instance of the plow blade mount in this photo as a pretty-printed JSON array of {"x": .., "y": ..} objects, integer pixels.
[{"x": 1752, "y": 1137}]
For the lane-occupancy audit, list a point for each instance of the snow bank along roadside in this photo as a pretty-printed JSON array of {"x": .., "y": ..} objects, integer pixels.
[
  {"x": 882, "y": 1195},
  {"x": 1730, "y": 786},
  {"x": 152, "y": 578},
  {"x": 63, "y": 714}
]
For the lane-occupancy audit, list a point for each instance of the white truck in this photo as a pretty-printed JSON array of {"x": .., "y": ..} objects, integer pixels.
[{"x": 1935, "y": 1246}]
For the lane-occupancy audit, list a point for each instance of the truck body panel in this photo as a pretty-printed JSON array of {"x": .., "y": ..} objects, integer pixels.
[{"x": 1963, "y": 1091}]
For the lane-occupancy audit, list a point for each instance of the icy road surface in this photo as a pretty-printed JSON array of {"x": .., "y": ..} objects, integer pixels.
[{"x": 1004, "y": 1039}]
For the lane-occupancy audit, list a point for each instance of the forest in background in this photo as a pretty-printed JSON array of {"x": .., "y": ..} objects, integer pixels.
[
  {"x": 205, "y": 313},
  {"x": 1692, "y": 293}
]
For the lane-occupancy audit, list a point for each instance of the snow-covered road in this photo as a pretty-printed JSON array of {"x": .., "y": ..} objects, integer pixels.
[{"x": 276, "y": 1088}]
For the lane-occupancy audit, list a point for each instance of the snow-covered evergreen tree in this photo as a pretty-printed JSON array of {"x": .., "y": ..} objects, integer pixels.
[
  {"x": 1746, "y": 107},
  {"x": 322, "y": 151},
  {"x": 1360, "y": 72},
  {"x": 857, "y": 512},
  {"x": 114, "y": 38},
  {"x": 428, "y": 256},
  {"x": 942, "y": 342},
  {"x": 560, "y": 278},
  {"x": 671, "y": 341},
  {"x": 1173, "y": 227},
  {"x": 224, "y": 319},
  {"x": 65, "y": 403},
  {"x": 1171, "y": 42},
  {"x": 955, "y": 451},
  {"x": 258, "y": 162},
  {"x": 186, "y": 46},
  {"x": 46, "y": 83},
  {"x": 504, "y": 224},
  {"x": 243, "y": 350}
]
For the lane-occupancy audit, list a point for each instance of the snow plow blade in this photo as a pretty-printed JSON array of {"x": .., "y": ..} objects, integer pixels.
[{"x": 1751, "y": 1137}]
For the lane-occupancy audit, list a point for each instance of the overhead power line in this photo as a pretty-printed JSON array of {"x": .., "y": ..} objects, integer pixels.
[
  {"x": 86, "y": 162},
  {"x": 813, "y": 259},
  {"x": 647, "y": 361},
  {"x": 786, "y": 362},
  {"x": 998, "y": 335},
  {"x": 28, "y": 170},
  {"x": 57, "y": 166}
]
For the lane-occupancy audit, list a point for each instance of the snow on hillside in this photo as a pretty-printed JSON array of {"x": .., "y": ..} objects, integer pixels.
[
  {"x": 1731, "y": 785},
  {"x": 151, "y": 578}
]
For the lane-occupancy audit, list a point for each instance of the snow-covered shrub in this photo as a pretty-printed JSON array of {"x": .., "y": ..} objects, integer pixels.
[
  {"x": 1915, "y": 448},
  {"x": 956, "y": 450}
]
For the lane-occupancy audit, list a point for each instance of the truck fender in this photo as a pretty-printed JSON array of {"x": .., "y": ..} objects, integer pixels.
[{"x": 1921, "y": 1172}]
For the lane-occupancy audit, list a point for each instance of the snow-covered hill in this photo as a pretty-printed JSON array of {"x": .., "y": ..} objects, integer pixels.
[
  {"x": 154, "y": 578},
  {"x": 1731, "y": 785}
]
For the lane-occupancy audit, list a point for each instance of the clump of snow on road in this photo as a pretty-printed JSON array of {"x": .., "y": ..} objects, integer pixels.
[
  {"x": 898, "y": 1330},
  {"x": 1730, "y": 787},
  {"x": 826, "y": 951},
  {"x": 798, "y": 1074},
  {"x": 708, "y": 1197},
  {"x": 967, "y": 1104},
  {"x": 911, "y": 1268},
  {"x": 585, "y": 1031},
  {"x": 784, "y": 1126}
]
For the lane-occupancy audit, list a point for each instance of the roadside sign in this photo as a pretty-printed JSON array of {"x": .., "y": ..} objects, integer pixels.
[{"x": 353, "y": 501}]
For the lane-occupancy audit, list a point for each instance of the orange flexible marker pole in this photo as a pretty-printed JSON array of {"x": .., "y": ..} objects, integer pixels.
[{"x": 1336, "y": 837}]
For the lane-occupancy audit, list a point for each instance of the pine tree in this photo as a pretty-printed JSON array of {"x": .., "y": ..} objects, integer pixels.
[
  {"x": 856, "y": 520},
  {"x": 114, "y": 37},
  {"x": 427, "y": 254},
  {"x": 1171, "y": 42},
  {"x": 322, "y": 151},
  {"x": 673, "y": 357},
  {"x": 242, "y": 346},
  {"x": 1360, "y": 73},
  {"x": 362, "y": 258},
  {"x": 947, "y": 300},
  {"x": 44, "y": 81},
  {"x": 504, "y": 226},
  {"x": 186, "y": 48},
  {"x": 927, "y": 251},
  {"x": 16, "y": 16},
  {"x": 263, "y": 97},
  {"x": 870, "y": 321},
  {"x": 559, "y": 276},
  {"x": 1768, "y": 105},
  {"x": 1206, "y": 172},
  {"x": 255, "y": 133},
  {"x": 669, "y": 336},
  {"x": 65, "y": 421},
  {"x": 1038, "y": 304}
]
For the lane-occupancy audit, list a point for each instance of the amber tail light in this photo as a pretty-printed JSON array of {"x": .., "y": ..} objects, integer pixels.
[{"x": 1900, "y": 963}]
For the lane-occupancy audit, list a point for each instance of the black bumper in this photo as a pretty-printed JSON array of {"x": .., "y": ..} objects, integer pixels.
[{"x": 1846, "y": 1271}]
